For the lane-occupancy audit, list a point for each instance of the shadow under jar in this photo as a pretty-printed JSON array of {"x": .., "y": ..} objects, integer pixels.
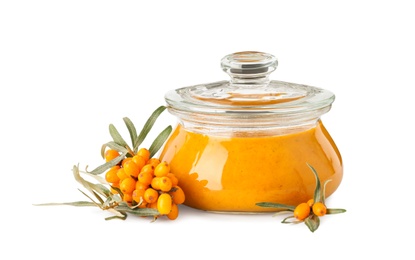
[{"x": 250, "y": 139}]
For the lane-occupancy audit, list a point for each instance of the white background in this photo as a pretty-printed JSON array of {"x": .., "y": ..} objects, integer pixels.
[{"x": 70, "y": 68}]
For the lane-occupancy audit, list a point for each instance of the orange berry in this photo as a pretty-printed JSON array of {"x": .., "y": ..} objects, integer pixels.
[
  {"x": 151, "y": 195},
  {"x": 127, "y": 197},
  {"x": 145, "y": 153},
  {"x": 127, "y": 159},
  {"x": 155, "y": 183},
  {"x": 154, "y": 161},
  {"x": 310, "y": 202},
  {"x": 302, "y": 211},
  {"x": 174, "y": 213},
  {"x": 127, "y": 185},
  {"x": 164, "y": 203},
  {"x": 148, "y": 168},
  {"x": 173, "y": 178},
  {"x": 139, "y": 160},
  {"x": 319, "y": 209},
  {"x": 111, "y": 175},
  {"x": 138, "y": 195},
  {"x": 111, "y": 155},
  {"x": 162, "y": 169},
  {"x": 152, "y": 205},
  {"x": 131, "y": 169},
  {"x": 178, "y": 195},
  {"x": 121, "y": 174},
  {"x": 165, "y": 184},
  {"x": 145, "y": 177},
  {"x": 141, "y": 186}
]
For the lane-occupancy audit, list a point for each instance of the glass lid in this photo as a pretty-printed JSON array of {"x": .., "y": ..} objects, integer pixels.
[{"x": 249, "y": 90}]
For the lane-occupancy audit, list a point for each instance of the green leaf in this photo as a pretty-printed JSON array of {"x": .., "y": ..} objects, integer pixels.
[
  {"x": 282, "y": 212},
  {"x": 317, "y": 191},
  {"x": 122, "y": 217},
  {"x": 131, "y": 130},
  {"x": 275, "y": 205},
  {"x": 75, "y": 203},
  {"x": 159, "y": 141},
  {"x": 286, "y": 220},
  {"x": 335, "y": 211},
  {"x": 114, "y": 146},
  {"x": 147, "y": 127},
  {"x": 102, "y": 168},
  {"x": 312, "y": 222},
  {"x": 137, "y": 211},
  {"x": 116, "y": 136}
]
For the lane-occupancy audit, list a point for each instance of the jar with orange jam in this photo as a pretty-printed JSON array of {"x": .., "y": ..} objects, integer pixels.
[{"x": 250, "y": 139}]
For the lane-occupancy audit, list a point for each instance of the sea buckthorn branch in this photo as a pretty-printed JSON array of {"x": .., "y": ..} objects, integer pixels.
[
  {"x": 308, "y": 212},
  {"x": 135, "y": 182}
]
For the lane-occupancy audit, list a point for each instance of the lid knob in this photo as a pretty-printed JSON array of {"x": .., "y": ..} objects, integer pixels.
[{"x": 248, "y": 66}]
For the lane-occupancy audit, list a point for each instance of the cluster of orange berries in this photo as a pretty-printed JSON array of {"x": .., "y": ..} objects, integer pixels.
[
  {"x": 303, "y": 210},
  {"x": 146, "y": 182}
]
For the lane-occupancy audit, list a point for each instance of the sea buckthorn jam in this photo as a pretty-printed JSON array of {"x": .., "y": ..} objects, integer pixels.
[{"x": 250, "y": 139}]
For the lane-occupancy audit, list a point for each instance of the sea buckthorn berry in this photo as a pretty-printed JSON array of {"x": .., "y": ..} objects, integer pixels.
[
  {"x": 138, "y": 195},
  {"x": 131, "y": 169},
  {"x": 310, "y": 202},
  {"x": 155, "y": 183},
  {"x": 111, "y": 175},
  {"x": 121, "y": 174},
  {"x": 151, "y": 195},
  {"x": 152, "y": 205},
  {"x": 164, "y": 203},
  {"x": 154, "y": 161},
  {"x": 178, "y": 195},
  {"x": 139, "y": 160},
  {"x": 141, "y": 186},
  {"x": 145, "y": 153},
  {"x": 319, "y": 209},
  {"x": 127, "y": 185},
  {"x": 302, "y": 211},
  {"x": 111, "y": 154},
  {"x": 174, "y": 213},
  {"x": 148, "y": 168},
  {"x": 127, "y": 197},
  {"x": 145, "y": 177},
  {"x": 125, "y": 160},
  {"x": 165, "y": 184},
  {"x": 162, "y": 169},
  {"x": 173, "y": 178}
]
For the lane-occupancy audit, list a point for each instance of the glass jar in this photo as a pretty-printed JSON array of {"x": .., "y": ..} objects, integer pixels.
[{"x": 250, "y": 139}]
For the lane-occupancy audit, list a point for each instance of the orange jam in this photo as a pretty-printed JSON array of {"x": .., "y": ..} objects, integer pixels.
[{"x": 224, "y": 174}]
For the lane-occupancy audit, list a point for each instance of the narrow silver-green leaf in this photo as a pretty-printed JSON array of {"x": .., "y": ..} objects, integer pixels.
[
  {"x": 102, "y": 168},
  {"x": 312, "y": 222},
  {"x": 335, "y": 211},
  {"x": 288, "y": 220},
  {"x": 137, "y": 211},
  {"x": 159, "y": 141},
  {"x": 131, "y": 130},
  {"x": 282, "y": 212},
  {"x": 114, "y": 146},
  {"x": 147, "y": 127},
  {"x": 123, "y": 217},
  {"x": 317, "y": 191},
  {"x": 74, "y": 203},
  {"x": 275, "y": 205},
  {"x": 116, "y": 136}
]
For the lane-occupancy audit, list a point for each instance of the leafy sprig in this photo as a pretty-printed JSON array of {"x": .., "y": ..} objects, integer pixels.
[
  {"x": 100, "y": 194},
  {"x": 312, "y": 221}
]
